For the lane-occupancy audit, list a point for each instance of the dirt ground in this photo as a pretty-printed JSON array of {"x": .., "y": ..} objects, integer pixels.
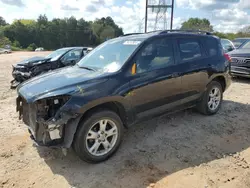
[{"x": 186, "y": 149}]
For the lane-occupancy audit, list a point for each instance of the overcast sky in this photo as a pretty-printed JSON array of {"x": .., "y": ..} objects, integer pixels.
[{"x": 225, "y": 15}]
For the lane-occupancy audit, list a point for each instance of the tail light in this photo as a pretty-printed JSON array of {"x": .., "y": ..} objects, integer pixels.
[{"x": 228, "y": 57}]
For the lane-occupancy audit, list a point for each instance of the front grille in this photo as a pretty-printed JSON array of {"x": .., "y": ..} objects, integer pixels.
[
  {"x": 240, "y": 60},
  {"x": 240, "y": 70}
]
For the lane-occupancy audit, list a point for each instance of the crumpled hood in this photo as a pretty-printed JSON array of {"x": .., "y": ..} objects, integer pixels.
[
  {"x": 62, "y": 81},
  {"x": 240, "y": 53},
  {"x": 31, "y": 61}
]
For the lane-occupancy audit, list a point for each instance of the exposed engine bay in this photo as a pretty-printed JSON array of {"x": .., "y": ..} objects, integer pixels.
[{"x": 45, "y": 121}]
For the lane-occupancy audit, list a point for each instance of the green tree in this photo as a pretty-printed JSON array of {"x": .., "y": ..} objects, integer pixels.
[
  {"x": 107, "y": 33},
  {"x": 245, "y": 30},
  {"x": 59, "y": 33},
  {"x": 197, "y": 24},
  {"x": 32, "y": 47},
  {"x": 2, "y": 21},
  {"x": 4, "y": 41},
  {"x": 25, "y": 21},
  {"x": 16, "y": 44}
]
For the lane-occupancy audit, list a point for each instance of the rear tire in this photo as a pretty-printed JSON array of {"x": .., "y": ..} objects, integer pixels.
[
  {"x": 212, "y": 99},
  {"x": 99, "y": 136}
]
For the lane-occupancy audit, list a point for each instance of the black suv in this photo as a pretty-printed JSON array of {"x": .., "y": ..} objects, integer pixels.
[{"x": 121, "y": 82}]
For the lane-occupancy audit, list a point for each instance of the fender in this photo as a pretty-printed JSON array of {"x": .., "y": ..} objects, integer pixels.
[
  {"x": 72, "y": 125},
  {"x": 226, "y": 77}
]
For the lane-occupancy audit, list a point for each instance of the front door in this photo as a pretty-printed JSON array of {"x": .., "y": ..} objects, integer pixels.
[{"x": 156, "y": 86}]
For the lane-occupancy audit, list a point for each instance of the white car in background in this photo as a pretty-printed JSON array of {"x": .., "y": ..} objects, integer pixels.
[
  {"x": 39, "y": 49},
  {"x": 5, "y": 51},
  {"x": 227, "y": 45}
]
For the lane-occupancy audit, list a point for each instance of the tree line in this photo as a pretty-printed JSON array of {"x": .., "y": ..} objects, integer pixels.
[
  {"x": 205, "y": 25},
  {"x": 57, "y": 33}
]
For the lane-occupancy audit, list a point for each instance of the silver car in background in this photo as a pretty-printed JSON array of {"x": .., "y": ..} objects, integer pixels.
[
  {"x": 227, "y": 45},
  {"x": 5, "y": 51},
  {"x": 39, "y": 49}
]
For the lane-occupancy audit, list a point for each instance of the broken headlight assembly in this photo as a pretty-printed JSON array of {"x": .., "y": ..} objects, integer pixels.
[
  {"x": 45, "y": 119},
  {"x": 47, "y": 108}
]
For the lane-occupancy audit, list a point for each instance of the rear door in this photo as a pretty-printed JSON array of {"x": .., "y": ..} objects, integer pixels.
[
  {"x": 194, "y": 63},
  {"x": 156, "y": 86}
]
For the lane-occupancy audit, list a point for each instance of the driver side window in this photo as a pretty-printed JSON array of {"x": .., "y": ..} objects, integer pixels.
[
  {"x": 71, "y": 57},
  {"x": 157, "y": 54}
]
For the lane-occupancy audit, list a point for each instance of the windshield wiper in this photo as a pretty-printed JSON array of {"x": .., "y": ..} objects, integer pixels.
[{"x": 88, "y": 68}]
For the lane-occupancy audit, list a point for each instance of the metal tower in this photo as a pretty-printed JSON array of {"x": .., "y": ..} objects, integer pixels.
[{"x": 158, "y": 10}]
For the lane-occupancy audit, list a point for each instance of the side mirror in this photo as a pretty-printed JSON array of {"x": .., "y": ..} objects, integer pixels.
[
  {"x": 229, "y": 48},
  {"x": 133, "y": 69}
]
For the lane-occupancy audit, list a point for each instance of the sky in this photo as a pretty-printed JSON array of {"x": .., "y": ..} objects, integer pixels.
[{"x": 224, "y": 15}]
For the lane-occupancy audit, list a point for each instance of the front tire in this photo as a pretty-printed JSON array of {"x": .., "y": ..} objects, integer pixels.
[
  {"x": 212, "y": 99},
  {"x": 99, "y": 136}
]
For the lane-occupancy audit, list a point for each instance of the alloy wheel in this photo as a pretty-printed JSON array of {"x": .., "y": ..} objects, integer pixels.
[
  {"x": 214, "y": 98},
  {"x": 101, "y": 137}
]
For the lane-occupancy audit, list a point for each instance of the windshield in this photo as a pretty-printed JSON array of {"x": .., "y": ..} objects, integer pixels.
[
  {"x": 238, "y": 42},
  {"x": 246, "y": 45},
  {"x": 111, "y": 55},
  {"x": 57, "y": 53},
  {"x": 225, "y": 42}
]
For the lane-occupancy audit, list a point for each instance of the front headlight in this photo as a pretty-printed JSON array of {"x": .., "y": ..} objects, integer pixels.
[
  {"x": 19, "y": 66},
  {"x": 48, "y": 107}
]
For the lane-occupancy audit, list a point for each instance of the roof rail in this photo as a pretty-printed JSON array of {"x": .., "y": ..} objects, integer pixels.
[
  {"x": 187, "y": 31},
  {"x": 130, "y": 34}
]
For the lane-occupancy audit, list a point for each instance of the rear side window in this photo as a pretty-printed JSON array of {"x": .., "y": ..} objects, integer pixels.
[
  {"x": 211, "y": 46},
  {"x": 190, "y": 49}
]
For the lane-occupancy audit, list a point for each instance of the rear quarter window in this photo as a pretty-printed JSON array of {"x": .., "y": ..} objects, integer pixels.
[
  {"x": 212, "y": 46},
  {"x": 190, "y": 49}
]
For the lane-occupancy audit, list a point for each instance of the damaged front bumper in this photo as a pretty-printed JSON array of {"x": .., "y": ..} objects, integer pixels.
[{"x": 48, "y": 125}]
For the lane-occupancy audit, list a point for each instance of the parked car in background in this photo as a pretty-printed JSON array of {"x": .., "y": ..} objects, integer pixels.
[
  {"x": 39, "y": 49},
  {"x": 240, "y": 65},
  {"x": 239, "y": 41},
  {"x": 227, "y": 45},
  {"x": 121, "y": 82},
  {"x": 89, "y": 49},
  {"x": 34, "y": 66},
  {"x": 5, "y": 51}
]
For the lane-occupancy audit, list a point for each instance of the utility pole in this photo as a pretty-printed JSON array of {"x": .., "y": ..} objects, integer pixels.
[
  {"x": 159, "y": 7},
  {"x": 172, "y": 15},
  {"x": 146, "y": 17}
]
